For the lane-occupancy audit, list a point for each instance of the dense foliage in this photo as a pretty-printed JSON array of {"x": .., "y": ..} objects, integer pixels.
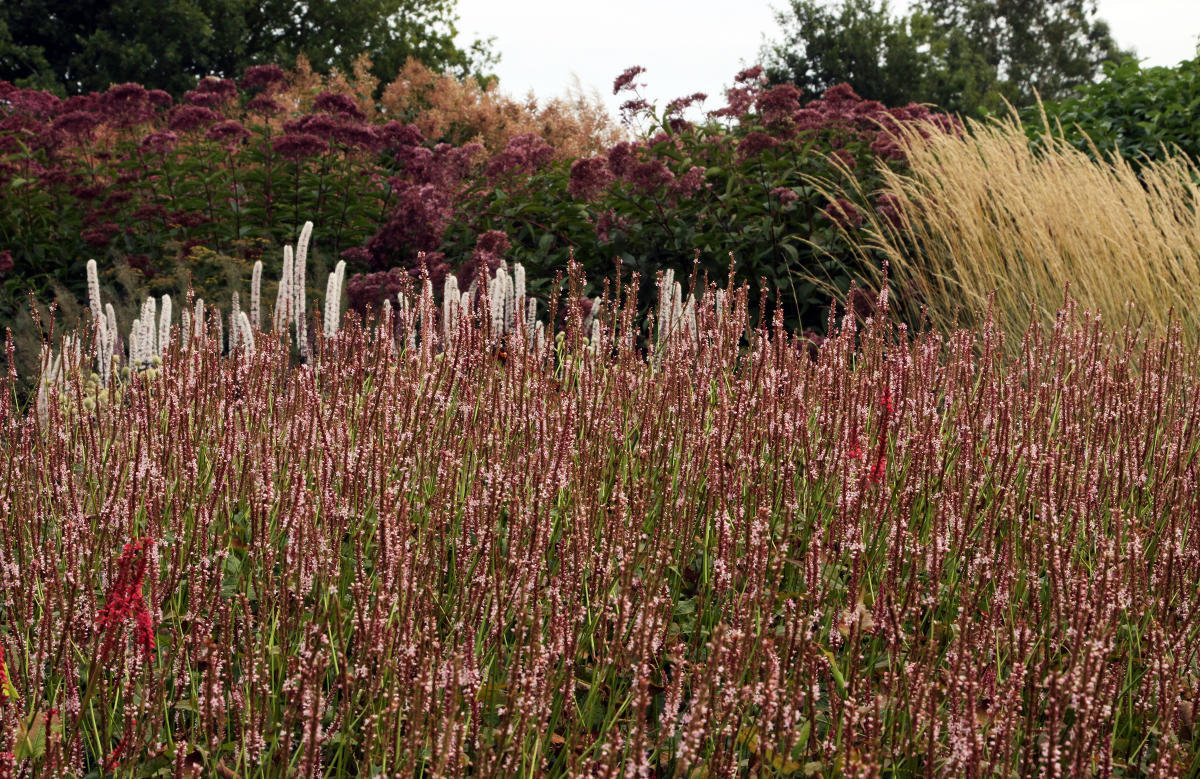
[
  {"x": 69, "y": 49},
  {"x": 1140, "y": 113},
  {"x": 894, "y": 556},
  {"x": 191, "y": 193},
  {"x": 965, "y": 56}
]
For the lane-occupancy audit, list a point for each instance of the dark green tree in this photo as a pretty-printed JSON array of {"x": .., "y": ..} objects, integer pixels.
[
  {"x": 74, "y": 46},
  {"x": 856, "y": 42},
  {"x": 966, "y": 56}
]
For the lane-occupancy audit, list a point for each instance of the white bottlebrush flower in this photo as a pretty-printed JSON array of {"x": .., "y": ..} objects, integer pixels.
[
  {"x": 164, "y": 325},
  {"x": 530, "y": 314},
  {"x": 663, "y": 315},
  {"x": 594, "y": 339},
  {"x": 689, "y": 315},
  {"x": 283, "y": 298},
  {"x": 719, "y": 306},
  {"x": 185, "y": 329},
  {"x": 256, "y": 294},
  {"x": 93, "y": 285},
  {"x": 450, "y": 306},
  {"x": 333, "y": 299},
  {"x": 518, "y": 288},
  {"x": 246, "y": 338},
  {"x": 198, "y": 319},
  {"x": 235, "y": 329},
  {"x": 298, "y": 288}
]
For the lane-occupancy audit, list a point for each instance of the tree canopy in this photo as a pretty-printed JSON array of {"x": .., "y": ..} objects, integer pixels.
[
  {"x": 75, "y": 46},
  {"x": 967, "y": 56}
]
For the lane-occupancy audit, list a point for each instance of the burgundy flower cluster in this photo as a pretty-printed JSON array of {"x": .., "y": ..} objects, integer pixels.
[{"x": 125, "y": 600}]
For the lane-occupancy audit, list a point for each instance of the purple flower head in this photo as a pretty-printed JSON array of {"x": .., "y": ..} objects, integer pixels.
[
  {"x": 396, "y": 134},
  {"x": 204, "y": 99},
  {"x": 336, "y": 103},
  {"x": 841, "y": 93},
  {"x": 525, "y": 153},
  {"x": 125, "y": 93},
  {"x": 264, "y": 105},
  {"x": 162, "y": 141},
  {"x": 262, "y": 76},
  {"x": 89, "y": 102},
  {"x": 887, "y": 206},
  {"x": 785, "y": 195},
  {"x": 634, "y": 107},
  {"x": 35, "y": 102},
  {"x": 230, "y": 133},
  {"x": 589, "y": 177},
  {"x": 844, "y": 213},
  {"x": 371, "y": 289},
  {"x": 489, "y": 248},
  {"x": 298, "y": 146},
  {"x": 455, "y": 162},
  {"x": 127, "y": 105},
  {"x": 77, "y": 123},
  {"x": 621, "y": 157},
  {"x": 751, "y": 74},
  {"x": 211, "y": 85},
  {"x": 690, "y": 182},
  {"x": 6, "y": 261},
  {"x": 356, "y": 255},
  {"x": 737, "y": 102},
  {"x": 778, "y": 103},
  {"x": 186, "y": 118},
  {"x": 650, "y": 176},
  {"x": 625, "y": 80},
  {"x": 358, "y": 136},
  {"x": 679, "y": 104},
  {"x": 808, "y": 119},
  {"x": 416, "y": 223},
  {"x": 320, "y": 125},
  {"x": 159, "y": 98},
  {"x": 755, "y": 143},
  {"x": 492, "y": 242}
]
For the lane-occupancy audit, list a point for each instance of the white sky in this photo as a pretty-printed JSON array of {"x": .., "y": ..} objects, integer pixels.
[{"x": 698, "y": 45}]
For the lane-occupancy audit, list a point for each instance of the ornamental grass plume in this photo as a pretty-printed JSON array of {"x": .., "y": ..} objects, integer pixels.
[{"x": 991, "y": 211}]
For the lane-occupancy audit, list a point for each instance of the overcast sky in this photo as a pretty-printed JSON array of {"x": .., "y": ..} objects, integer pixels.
[{"x": 698, "y": 45}]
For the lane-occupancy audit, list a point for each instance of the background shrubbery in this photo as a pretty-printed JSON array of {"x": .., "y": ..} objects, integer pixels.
[
  {"x": 437, "y": 176},
  {"x": 1137, "y": 112}
]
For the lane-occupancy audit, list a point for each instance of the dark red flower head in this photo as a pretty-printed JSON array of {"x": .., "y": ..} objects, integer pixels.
[
  {"x": 230, "y": 133},
  {"x": 336, "y": 103},
  {"x": 186, "y": 118},
  {"x": 263, "y": 104},
  {"x": 77, "y": 123},
  {"x": 262, "y": 76},
  {"x": 298, "y": 146},
  {"x": 161, "y": 141},
  {"x": 625, "y": 80}
]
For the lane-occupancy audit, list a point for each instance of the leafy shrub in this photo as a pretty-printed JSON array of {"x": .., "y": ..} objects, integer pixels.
[
  {"x": 1135, "y": 111},
  {"x": 192, "y": 194},
  {"x": 742, "y": 181}
]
